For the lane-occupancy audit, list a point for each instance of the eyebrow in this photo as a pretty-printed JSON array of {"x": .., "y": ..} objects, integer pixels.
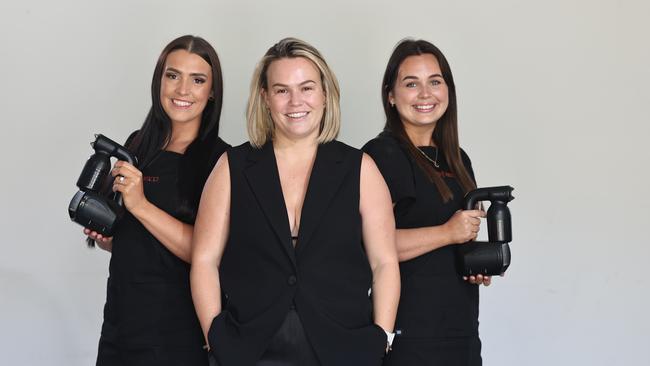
[
  {"x": 284, "y": 86},
  {"x": 192, "y": 74},
  {"x": 408, "y": 77}
]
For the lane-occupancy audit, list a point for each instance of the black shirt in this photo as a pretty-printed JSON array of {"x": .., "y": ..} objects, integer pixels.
[
  {"x": 435, "y": 300},
  {"x": 148, "y": 301}
]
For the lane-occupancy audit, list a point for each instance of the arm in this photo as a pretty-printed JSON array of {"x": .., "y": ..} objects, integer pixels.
[
  {"x": 378, "y": 227},
  {"x": 210, "y": 235},
  {"x": 174, "y": 234},
  {"x": 462, "y": 227}
]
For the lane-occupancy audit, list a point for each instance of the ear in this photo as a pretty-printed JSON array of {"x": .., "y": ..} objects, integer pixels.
[
  {"x": 391, "y": 99},
  {"x": 265, "y": 97},
  {"x": 211, "y": 96}
]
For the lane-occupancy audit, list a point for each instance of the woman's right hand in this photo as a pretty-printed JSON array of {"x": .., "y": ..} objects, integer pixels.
[
  {"x": 464, "y": 225},
  {"x": 103, "y": 242}
]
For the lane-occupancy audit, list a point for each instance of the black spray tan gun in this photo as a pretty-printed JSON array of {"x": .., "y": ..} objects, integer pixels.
[
  {"x": 491, "y": 257},
  {"x": 90, "y": 207}
]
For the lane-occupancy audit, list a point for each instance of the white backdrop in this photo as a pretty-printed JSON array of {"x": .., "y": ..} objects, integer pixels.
[{"x": 553, "y": 100}]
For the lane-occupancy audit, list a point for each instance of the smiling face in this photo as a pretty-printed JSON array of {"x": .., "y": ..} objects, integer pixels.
[
  {"x": 295, "y": 98},
  {"x": 185, "y": 87},
  {"x": 420, "y": 93}
]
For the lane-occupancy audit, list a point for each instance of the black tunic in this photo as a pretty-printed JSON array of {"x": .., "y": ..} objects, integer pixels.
[
  {"x": 436, "y": 304},
  {"x": 149, "y": 317}
]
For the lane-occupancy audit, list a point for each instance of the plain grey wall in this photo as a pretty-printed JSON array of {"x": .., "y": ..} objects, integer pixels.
[{"x": 553, "y": 100}]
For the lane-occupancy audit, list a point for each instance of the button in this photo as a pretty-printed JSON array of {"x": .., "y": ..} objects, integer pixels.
[{"x": 292, "y": 280}]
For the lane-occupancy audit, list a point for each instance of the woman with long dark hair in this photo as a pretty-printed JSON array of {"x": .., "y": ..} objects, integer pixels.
[
  {"x": 428, "y": 174},
  {"x": 149, "y": 317}
]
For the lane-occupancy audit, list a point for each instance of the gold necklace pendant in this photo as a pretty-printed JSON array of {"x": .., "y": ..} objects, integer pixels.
[{"x": 434, "y": 162}]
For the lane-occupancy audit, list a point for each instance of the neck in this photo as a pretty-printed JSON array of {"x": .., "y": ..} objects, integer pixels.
[
  {"x": 182, "y": 135},
  {"x": 298, "y": 149},
  {"x": 420, "y": 135}
]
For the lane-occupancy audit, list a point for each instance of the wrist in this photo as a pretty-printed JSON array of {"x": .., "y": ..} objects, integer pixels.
[{"x": 140, "y": 209}]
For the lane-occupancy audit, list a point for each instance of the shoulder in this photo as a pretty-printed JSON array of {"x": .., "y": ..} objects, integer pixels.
[
  {"x": 465, "y": 158},
  {"x": 132, "y": 136},
  {"x": 384, "y": 144}
]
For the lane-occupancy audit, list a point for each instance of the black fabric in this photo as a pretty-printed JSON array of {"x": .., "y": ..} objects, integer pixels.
[
  {"x": 148, "y": 299},
  {"x": 326, "y": 277},
  {"x": 435, "y": 301},
  {"x": 459, "y": 351},
  {"x": 289, "y": 346},
  {"x": 110, "y": 354}
]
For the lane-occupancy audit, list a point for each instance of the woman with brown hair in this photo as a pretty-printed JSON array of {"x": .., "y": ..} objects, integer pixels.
[
  {"x": 149, "y": 317},
  {"x": 428, "y": 174}
]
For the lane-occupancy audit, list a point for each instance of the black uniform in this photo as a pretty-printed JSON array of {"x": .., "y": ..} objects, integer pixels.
[
  {"x": 437, "y": 320},
  {"x": 272, "y": 289},
  {"x": 149, "y": 317}
]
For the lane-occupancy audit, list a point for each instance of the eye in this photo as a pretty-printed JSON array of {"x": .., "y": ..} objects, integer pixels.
[
  {"x": 280, "y": 91},
  {"x": 410, "y": 85},
  {"x": 436, "y": 82},
  {"x": 199, "y": 81},
  {"x": 171, "y": 75},
  {"x": 307, "y": 88}
]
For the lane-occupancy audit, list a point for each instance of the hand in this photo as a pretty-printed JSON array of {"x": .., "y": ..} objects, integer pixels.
[
  {"x": 103, "y": 242},
  {"x": 128, "y": 181},
  {"x": 479, "y": 280},
  {"x": 464, "y": 225}
]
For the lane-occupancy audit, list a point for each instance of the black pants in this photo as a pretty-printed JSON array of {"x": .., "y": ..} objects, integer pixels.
[
  {"x": 461, "y": 351},
  {"x": 110, "y": 354},
  {"x": 288, "y": 347}
]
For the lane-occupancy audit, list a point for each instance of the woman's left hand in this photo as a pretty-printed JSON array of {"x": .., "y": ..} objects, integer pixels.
[
  {"x": 479, "y": 280},
  {"x": 128, "y": 181}
]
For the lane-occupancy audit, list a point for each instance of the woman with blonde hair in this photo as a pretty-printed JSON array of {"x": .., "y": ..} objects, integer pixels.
[{"x": 294, "y": 230}]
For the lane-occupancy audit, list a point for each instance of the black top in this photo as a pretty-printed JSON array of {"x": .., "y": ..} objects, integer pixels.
[
  {"x": 435, "y": 300},
  {"x": 148, "y": 301},
  {"x": 326, "y": 276}
]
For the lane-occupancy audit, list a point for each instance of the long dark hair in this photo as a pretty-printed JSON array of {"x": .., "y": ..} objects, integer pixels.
[
  {"x": 445, "y": 134},
  {"x": 155, "y": 133}
]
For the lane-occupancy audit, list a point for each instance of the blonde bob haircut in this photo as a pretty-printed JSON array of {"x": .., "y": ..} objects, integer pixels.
[{"x": 259, "y": 123}]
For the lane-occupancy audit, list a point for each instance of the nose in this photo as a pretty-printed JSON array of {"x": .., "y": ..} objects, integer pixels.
[
  {"x": 183, "y": 86},
  {"x": 425, "y": 91},
  {"x": 295, "y": 98}
]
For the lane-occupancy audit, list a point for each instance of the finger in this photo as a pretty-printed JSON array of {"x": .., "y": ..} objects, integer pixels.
[
  {"x": 475, "y": 213},
  {"x": 487, "y": 280},
  {"x": 479, "y": 278},
  {"x": 86, "y": 231},
  {"x": 465, "y": 278}
]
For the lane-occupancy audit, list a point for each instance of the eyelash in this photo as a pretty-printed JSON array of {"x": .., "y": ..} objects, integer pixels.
[{"x": 433, "y": 82}]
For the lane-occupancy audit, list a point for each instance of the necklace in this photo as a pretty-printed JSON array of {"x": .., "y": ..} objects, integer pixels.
[{"x": 433, "y": 161}]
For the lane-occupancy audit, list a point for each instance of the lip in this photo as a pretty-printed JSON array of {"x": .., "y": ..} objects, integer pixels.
[
  {"x": 181, "y": 104},
  {"x": 424, "y": 107},
  {"x": 296, "y": 116}
]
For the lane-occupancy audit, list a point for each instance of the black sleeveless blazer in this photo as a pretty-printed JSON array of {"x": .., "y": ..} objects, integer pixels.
[{"x": 326, "y": 277}]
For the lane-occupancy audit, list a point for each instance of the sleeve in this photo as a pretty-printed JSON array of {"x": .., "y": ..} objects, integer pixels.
[
  {"x": 395, "y": 167},
  {"x": 468, "y": 164},
  {"x": 131, "y": 137}
]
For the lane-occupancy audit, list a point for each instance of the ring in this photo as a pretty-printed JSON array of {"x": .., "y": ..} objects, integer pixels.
[{"x": 121, "y": 179}]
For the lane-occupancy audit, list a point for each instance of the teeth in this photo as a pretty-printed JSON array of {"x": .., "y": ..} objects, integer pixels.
[
  {"x": 181, "y": 103},
  {"x": 297, "y": 114},
  {"x": 424, "y": 107}
]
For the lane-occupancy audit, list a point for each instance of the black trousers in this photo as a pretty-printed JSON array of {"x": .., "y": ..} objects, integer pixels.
[
  {"x": 460, "y": 351},
  {"x": 288, "y": 347},
  {"x": 110, "y": 354}
]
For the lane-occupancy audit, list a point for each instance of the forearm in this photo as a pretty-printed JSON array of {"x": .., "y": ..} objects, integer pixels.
[
  {"x": 174, "y": 234},
  {"x": 206, "y": 292},
  {"x": 413, "y": 243},
  {"x": 385, "y": 294},
  {"x": 107, "y": 246}
]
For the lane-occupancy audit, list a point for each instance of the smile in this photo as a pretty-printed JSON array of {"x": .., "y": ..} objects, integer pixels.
[
  {"x": 181, "y": 103},
  {"x": 296, "y": 115},
  {"x": 425, "y": 108}
]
